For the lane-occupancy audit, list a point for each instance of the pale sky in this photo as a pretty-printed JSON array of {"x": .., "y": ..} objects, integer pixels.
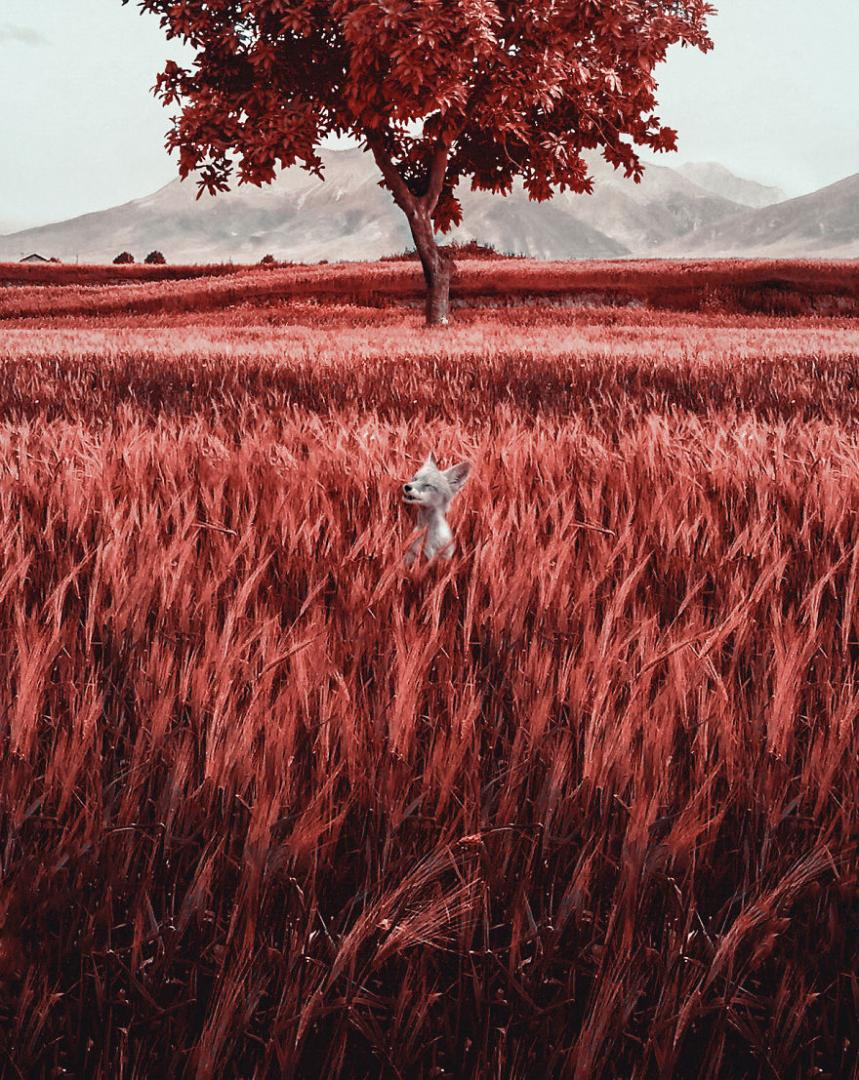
[{"x": 79, "y": 130}]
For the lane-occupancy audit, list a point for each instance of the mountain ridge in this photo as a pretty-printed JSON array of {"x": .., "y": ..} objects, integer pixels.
[
  {"x": 824, "y": 223},
  {"x": 350, "y": 217},
  {"x": 714, "y": 177}
]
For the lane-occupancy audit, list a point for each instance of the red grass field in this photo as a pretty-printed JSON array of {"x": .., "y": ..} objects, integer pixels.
[{"x": 580, "y": 803}]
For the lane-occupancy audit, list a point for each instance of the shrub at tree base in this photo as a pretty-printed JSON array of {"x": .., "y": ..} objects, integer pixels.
[{"x": 468, "y": 249}]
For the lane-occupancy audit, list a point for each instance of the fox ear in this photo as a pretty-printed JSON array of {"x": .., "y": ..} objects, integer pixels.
[
  {"x": 457, "y": 475},
  {"x": 431, "y": 460}
]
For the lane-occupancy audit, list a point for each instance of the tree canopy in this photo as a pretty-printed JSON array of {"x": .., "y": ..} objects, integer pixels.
[{"x": 439, "y": 90}]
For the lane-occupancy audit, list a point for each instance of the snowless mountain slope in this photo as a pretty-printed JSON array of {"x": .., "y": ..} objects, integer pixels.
[{"x": 349, "y": 216}]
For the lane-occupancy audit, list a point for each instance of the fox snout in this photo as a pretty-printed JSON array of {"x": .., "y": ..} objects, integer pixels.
[{"x": 407, "y": 489}]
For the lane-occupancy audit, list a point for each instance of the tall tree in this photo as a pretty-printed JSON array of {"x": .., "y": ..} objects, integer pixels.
[{"x": 437, "y": 90}]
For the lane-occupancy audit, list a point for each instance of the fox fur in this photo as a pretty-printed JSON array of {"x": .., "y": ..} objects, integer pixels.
[{"x": 431, "y": 489}]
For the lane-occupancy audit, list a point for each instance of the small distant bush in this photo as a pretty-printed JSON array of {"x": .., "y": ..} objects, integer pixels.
[
  {"x": 268, "y": 260},
  {"x": 123, "y": 258},
  {"x": 154, "y": 258},
  {"x": 470, "y": 249},
  {"x": 54, "y": 259}
]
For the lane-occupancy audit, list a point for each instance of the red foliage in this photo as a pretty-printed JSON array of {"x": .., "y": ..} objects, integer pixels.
[
  {"x": 508, "y": 89},
  {"x": 486, "y": 89}
]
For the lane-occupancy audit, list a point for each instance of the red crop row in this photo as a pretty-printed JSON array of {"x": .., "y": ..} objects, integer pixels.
[
  {"x": 771, "y": 288},
  {"x": 582, "y": 802}
]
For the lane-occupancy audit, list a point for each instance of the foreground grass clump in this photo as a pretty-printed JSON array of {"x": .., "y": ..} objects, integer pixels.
[{"x": 580, "y": 803}]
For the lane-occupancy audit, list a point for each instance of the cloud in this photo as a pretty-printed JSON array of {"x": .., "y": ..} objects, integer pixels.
[{"x": 21, "y": 35}]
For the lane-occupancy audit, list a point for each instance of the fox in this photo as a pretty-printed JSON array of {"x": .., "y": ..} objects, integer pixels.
[{"x": 432, "y": 489}]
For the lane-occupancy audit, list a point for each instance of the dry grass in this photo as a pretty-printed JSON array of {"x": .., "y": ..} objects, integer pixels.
[{"x": 582, "y": 802}]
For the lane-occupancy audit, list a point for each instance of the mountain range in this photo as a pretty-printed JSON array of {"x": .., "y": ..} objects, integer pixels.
[
  {"x": 824, "y": 223},
  {"x": 699, "y": 209}
]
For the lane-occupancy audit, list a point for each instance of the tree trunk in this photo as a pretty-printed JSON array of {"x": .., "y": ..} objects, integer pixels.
[
  {"x": 419, "y": 210},
  {"x": 435, "y": 266}
]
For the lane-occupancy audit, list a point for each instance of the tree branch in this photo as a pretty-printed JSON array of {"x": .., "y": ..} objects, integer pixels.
[
  {"x": 438, "y": 171},
  {"x": 399, "y": 188}
]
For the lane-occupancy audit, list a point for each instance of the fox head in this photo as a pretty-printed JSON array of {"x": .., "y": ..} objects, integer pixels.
[{"x": 433, "y": 487}]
